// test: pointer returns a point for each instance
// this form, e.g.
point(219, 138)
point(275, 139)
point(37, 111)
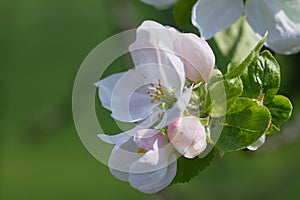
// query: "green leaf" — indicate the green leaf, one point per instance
point(262, 77)
point(221, 95)
point(234, 89)
point(236, 42)
point(189, 168)
point(244, 124)
point(236, 70)
point(281, 109)
point(182, 11)
point(215, 103)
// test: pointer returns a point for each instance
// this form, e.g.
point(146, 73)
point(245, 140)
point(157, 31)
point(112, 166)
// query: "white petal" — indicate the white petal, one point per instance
point(123, 143)
point(123, 156)
point(212, 16)
point(146, 47)
point(258, 143)
point(119, 174)
point(176, 111)
point(281, 19)
point(117, 139)
point(122, 95)
point(106, 87)
point(140, 104)
point(153, 160)
point(158, 177)
point(153, 182)
point(160, 4)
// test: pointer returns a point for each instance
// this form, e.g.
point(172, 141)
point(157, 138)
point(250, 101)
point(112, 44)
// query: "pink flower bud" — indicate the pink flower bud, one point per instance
point(187, 135)
point(197, 56)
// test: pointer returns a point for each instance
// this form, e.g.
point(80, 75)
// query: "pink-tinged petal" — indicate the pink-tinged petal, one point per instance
point(106, 87)
point(160, 4)
point(212, 16)
point(258, 143)
point(282, 21)
point(188, 136)
point(150, 139)
point(197, 56)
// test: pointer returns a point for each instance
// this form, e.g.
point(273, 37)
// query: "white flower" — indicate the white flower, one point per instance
point(155, 41)
point(160, 4)
point(161, 56)
point(188, 136)
point(280, 18)
point(146, 161)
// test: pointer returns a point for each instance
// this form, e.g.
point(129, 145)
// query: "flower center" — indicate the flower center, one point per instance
point(158, 93)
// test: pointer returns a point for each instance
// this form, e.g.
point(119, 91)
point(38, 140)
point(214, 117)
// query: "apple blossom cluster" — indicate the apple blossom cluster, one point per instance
point(183, 108)
point(156, 94)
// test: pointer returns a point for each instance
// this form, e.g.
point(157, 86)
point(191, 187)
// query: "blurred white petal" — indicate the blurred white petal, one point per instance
point(281, 19)
point(212, 16)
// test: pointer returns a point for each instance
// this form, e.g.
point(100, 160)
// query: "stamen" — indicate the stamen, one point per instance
point(158, 93)
point(141, 150)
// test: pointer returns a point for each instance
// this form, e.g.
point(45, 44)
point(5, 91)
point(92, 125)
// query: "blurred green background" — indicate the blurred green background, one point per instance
point(43, 43)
